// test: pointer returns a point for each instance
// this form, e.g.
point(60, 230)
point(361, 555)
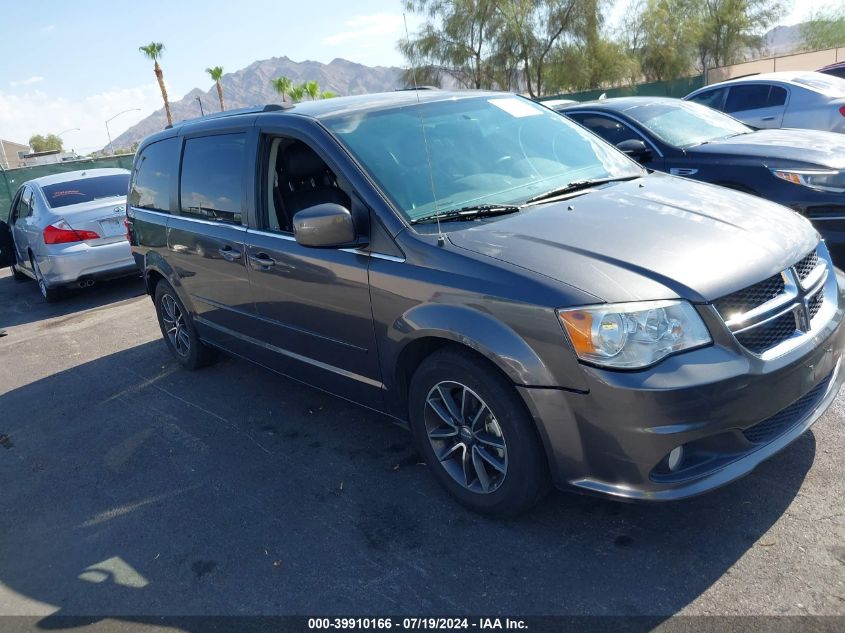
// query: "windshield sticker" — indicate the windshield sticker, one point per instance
point(515, 107)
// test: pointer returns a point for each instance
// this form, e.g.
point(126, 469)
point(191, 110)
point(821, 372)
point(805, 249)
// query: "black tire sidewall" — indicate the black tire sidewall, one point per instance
point(527, 473)
point(195, 357)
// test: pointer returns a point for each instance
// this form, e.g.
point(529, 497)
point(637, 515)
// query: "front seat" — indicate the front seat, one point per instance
point(308, 181)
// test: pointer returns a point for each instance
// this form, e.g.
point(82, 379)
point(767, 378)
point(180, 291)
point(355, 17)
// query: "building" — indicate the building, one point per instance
point(47, 157)
point(11, 154)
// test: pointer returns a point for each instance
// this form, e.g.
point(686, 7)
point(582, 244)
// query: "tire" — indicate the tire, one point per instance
point(494, 462)
point(49, 293)
point(17, 275)
point(178, 329)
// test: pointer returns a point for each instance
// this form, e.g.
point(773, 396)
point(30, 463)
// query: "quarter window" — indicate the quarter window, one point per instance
point(211, 185)
point(152, 176)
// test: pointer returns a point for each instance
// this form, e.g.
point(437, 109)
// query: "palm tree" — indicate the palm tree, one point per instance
point(282, 86)
point(297, 93)
point(327, 94)
point(153, 51)
point(216, 73)
point(312, 89)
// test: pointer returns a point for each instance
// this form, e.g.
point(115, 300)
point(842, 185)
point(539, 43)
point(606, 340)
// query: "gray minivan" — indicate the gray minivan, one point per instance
point(531, 302)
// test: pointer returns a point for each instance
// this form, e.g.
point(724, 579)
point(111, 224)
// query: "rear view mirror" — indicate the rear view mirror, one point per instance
point(327, 225)
point(636, 149)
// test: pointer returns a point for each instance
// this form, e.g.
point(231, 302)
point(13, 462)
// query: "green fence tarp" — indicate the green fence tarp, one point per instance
point(11, 179)
point(675, 88)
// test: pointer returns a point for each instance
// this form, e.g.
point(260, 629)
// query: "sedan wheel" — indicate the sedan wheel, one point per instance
point(49, 294)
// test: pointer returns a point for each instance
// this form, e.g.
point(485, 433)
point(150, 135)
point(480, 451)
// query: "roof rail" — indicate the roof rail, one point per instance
point(256, 109)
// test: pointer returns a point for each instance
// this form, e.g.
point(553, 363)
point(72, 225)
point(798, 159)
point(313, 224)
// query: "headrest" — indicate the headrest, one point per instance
point(301, 162)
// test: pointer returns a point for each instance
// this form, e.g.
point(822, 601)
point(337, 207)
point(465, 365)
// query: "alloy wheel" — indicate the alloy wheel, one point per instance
point(42, 285)
point(465, 436)
point(174, 325)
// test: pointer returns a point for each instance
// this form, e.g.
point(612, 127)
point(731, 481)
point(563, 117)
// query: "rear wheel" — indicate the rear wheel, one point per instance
point(178, 329)
point(476, 435)
point(17, 275)
point(49, 293)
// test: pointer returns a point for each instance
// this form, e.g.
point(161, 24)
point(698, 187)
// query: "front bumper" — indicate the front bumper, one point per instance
point(614, 440)
point(69, 264)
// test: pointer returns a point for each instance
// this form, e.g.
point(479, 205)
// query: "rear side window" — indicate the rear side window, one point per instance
point(710, 98)
point(152, 175)
point(754, 96)
point(64, 194)
point(211, 185)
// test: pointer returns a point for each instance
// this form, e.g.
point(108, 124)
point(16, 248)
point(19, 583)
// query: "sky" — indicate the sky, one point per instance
point(69, 65)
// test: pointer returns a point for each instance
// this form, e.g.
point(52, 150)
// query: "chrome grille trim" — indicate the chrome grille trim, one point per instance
point(809, 295)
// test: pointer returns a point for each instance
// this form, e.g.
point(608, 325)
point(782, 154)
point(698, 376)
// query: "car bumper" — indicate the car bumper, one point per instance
point(73, 263)
point(729, 413)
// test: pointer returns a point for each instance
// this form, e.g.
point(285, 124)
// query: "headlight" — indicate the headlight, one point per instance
point(821, 179)
point(633, 335)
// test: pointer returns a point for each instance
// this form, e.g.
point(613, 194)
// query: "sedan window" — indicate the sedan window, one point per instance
point(711, 98)
point(611, 130)
point(447, 155)
point(681, 123)
point(826, 84)
point(63, 194)
point(754, 97)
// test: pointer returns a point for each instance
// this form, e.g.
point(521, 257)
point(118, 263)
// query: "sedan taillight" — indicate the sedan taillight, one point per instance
point(842, 110)
point(62, 233)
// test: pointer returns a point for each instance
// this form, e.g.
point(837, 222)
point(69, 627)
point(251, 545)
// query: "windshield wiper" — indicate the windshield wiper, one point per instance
point(577, 185)
point(470, 212)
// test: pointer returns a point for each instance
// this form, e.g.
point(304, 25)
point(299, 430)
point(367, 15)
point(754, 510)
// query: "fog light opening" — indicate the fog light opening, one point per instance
point(676, 457)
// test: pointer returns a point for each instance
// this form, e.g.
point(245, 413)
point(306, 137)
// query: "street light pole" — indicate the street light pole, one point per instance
point(108, 133)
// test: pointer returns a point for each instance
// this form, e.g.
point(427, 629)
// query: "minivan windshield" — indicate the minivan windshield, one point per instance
point(441, 156)
point(63, 194)
point(682, 123)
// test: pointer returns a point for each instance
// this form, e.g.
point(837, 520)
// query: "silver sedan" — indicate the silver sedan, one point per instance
point(68, 230)
point(806, 100)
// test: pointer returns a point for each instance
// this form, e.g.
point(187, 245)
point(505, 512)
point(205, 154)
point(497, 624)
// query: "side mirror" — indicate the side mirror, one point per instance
point(327, 225)
point(636, 149)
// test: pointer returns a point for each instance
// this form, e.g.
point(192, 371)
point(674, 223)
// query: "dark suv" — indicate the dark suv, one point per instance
point(528, 299)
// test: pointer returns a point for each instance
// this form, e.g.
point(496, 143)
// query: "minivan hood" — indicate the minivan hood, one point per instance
point(802, 146)
point(657, 237)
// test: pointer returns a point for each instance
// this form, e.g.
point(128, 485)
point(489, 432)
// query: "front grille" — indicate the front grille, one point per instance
point(749, 298)
point(787, 418)
point(769, 334)
point(816, 303)
point(807, 265)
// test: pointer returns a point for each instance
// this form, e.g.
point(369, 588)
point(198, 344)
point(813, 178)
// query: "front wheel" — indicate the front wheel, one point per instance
point(475, 433)
point(178, 329)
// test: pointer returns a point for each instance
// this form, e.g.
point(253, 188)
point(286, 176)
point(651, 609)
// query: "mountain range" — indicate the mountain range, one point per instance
point(251, 86)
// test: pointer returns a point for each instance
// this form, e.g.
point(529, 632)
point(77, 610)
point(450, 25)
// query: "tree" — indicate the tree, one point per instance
point(327, 94)
point(153, 51)
point(725, 30)
point(282, 85)
point(667, 40)
point(297, 93)
point(458, 39)
point(312, 89)
point(48, 143)
point(825, 29)
point(216, 73)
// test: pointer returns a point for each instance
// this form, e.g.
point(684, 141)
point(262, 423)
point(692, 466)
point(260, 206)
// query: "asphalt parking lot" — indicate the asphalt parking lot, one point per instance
point(131, 488)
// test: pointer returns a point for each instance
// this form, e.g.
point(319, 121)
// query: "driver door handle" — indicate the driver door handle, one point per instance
point(262, 261)
point(768, 118)
point(229, 254)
